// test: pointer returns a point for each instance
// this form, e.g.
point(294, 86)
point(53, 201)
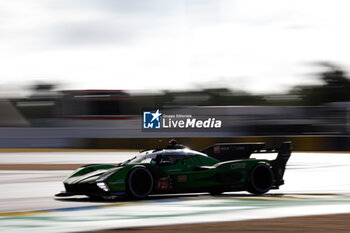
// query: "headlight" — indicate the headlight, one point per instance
point(103, 186)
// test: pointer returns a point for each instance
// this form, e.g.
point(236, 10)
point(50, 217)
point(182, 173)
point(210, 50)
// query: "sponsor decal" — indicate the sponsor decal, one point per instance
point(163, 183)
point(175, 170)
point(181, 178)
point(216, 149)
point(238, 166)
point(158, 120)
point(118, 182)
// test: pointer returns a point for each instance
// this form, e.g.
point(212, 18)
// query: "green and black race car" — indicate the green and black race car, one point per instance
point(176, 169)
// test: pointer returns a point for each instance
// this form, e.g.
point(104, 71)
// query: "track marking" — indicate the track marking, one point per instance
point(169, 211)
point(283, 198)
point(69, 209)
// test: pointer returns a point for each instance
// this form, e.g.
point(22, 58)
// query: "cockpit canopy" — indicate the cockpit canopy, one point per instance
point(167, 156)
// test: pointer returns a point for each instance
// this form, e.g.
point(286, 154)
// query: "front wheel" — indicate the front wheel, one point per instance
point(260, 179)
point(139, 182)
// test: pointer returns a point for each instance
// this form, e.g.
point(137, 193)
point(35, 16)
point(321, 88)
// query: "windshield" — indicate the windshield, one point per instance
point(144, 157)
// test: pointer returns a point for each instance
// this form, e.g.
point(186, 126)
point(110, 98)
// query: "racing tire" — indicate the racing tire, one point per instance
point(139, 182)
point(261, 179)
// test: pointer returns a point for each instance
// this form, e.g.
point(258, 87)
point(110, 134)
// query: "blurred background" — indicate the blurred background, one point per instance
point(78, 74)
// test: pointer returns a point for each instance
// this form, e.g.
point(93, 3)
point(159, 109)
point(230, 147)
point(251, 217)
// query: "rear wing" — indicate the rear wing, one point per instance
point(233, 151)
point(279, 164)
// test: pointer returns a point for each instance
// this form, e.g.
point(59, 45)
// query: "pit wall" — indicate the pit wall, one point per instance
point(300, 143)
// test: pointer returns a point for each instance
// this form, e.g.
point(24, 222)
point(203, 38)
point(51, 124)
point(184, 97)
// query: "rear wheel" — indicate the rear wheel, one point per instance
point(139, 182)
point(260, 179)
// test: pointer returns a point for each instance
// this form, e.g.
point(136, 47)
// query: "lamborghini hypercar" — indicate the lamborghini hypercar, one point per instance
point(222, 167)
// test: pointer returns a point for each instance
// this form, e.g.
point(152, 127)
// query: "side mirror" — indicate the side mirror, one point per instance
point(158, 159)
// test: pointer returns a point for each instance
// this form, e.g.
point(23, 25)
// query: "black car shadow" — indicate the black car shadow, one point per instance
point(164, 197)
point(126, 199)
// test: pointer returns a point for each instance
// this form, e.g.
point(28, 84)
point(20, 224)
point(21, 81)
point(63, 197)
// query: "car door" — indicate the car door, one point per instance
point(185, 173)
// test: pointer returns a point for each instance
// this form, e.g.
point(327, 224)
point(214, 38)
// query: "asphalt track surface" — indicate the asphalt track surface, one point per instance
point(316, 183)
